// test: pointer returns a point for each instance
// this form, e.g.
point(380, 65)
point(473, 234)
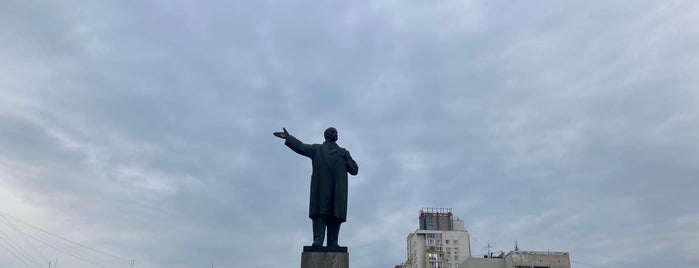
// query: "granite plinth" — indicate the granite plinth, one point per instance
point(324, 259)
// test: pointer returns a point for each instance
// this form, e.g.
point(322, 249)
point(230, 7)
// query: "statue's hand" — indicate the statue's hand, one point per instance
point(282, 135)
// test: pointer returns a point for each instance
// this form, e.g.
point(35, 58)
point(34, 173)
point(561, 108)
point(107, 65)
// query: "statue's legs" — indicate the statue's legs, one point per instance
point(319, 223)
point(333, 231)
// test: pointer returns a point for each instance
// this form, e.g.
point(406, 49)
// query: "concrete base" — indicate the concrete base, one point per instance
point(324, 260)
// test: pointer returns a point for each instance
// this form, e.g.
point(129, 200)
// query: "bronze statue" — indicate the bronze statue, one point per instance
point(331, 163)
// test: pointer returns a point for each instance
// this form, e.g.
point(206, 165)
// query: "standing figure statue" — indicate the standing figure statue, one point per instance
point(331, 163)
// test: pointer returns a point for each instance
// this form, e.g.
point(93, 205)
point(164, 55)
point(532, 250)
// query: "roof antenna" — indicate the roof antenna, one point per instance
point(516, 246)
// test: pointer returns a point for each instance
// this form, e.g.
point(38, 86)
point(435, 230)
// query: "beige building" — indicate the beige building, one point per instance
point(440, 241)
point(521, 259)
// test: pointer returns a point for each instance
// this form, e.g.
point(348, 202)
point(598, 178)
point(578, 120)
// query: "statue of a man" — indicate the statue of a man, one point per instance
point(331, 163)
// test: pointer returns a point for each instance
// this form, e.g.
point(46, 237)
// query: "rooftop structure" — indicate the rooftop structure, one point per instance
point(436, 219)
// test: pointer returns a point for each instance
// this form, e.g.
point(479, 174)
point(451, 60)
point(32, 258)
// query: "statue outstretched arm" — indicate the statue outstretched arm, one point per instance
point(294, 144)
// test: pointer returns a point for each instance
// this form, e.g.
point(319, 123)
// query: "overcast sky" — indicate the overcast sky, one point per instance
point(143, 129)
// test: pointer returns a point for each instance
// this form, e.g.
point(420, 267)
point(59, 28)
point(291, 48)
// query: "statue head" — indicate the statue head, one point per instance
point(330, 134)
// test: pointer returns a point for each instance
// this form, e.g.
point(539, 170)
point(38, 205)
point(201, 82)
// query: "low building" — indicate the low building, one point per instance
point(521, 259)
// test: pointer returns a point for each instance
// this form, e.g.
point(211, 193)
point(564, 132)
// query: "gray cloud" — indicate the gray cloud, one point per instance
point(143, 129)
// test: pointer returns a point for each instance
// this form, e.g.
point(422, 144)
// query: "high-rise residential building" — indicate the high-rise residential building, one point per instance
point(439, 242)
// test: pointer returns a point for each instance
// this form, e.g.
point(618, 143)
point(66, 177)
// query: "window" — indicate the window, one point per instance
point(433, 248)
point(456, 242)
point(448, 250)
point(446, 242)
point(435, 260)
point(434, 239)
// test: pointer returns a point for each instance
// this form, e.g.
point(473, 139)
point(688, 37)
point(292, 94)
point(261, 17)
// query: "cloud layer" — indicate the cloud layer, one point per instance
point(143, 130)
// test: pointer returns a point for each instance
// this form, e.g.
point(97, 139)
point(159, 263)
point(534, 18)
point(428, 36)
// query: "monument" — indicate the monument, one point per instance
point(328, 200)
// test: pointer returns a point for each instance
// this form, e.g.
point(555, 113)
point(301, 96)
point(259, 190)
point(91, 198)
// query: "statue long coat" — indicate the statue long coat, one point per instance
point(329, 178)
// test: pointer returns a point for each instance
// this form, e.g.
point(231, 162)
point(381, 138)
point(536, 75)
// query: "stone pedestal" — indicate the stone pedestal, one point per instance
point(324, 257)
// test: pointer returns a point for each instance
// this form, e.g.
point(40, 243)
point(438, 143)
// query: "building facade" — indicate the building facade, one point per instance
point(521, 259)
point(439, 242)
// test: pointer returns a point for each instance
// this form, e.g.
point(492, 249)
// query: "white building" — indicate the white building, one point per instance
point(440, 241)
